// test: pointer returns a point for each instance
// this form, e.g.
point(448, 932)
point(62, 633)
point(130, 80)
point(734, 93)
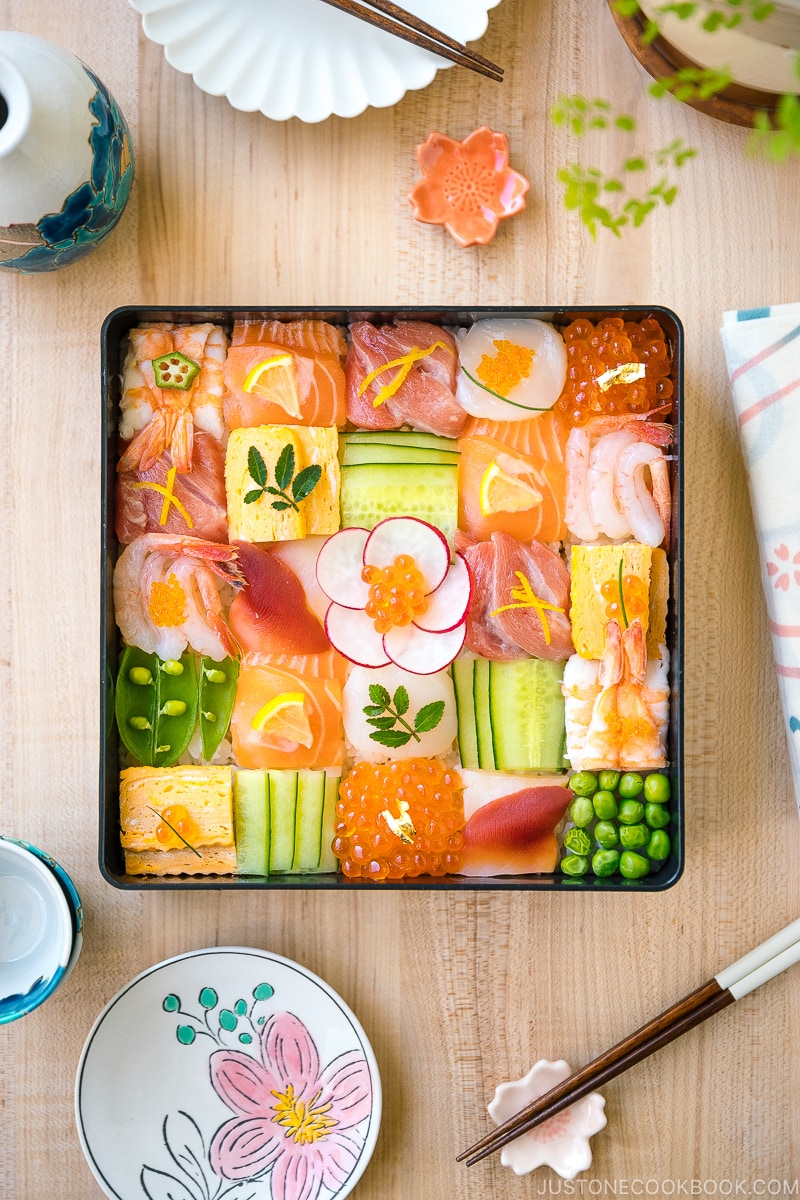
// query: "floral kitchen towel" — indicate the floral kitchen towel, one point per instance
point(762, 346)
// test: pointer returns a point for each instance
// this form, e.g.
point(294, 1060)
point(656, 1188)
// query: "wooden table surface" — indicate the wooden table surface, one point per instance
point(456, 992)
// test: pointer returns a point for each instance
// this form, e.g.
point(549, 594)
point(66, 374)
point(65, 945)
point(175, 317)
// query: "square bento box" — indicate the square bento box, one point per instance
point(662, 874)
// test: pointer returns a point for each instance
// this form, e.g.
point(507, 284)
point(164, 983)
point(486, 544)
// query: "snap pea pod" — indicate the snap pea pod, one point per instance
point(217, 694)
point(176, 715)
point(156, 706)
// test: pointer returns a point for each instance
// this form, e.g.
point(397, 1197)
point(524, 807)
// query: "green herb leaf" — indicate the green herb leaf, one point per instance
point(373, 710)
point(256, 466)
point(400, 701)
point(429, 716)
point(280, 505)
point(284, 467)
point(381, 722)
point(379, 695)
point(391, 738)
point(256, 494)
point(275, 492)
point(305, 481)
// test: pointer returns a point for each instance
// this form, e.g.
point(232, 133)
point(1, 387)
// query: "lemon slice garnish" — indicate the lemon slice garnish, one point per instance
point(501, 492)
point(275, 380)
point(284, 717)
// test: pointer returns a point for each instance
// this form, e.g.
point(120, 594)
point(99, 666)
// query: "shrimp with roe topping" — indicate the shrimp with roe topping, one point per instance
point(166, 595)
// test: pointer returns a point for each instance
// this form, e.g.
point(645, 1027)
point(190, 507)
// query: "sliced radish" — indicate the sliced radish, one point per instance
point(339, 566)
point(408, 535)
point(353, 634)
point(421, 652)
point(448, 605)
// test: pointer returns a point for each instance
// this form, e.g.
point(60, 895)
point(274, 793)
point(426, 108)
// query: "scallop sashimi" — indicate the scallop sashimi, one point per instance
point(510, 370)
point(285, 720)
point(403, 374)
point(501, 490)
point(160, 500)
point(285, 373)
point(270, 614)
point(515, 834)
point(390, 713)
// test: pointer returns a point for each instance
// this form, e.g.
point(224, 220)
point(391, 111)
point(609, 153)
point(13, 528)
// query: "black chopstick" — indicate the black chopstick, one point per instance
point(742, 977)
point(411, 29)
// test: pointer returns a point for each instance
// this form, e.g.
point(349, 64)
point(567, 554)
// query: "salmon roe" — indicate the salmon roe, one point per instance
point(179, 818)
point(396, 593)
point(399, 819)
point(593, 350)
point(634, 595)
point(167, 603)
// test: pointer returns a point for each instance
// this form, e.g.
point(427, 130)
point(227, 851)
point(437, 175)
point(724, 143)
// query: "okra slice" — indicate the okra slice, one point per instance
point(175, 370)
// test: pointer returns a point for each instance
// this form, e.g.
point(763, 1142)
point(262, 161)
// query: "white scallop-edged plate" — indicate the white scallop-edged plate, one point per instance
point(227, 1072)
point(302, 58)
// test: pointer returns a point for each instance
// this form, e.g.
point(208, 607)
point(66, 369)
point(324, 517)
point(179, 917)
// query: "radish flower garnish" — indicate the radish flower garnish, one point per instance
point(395, 596)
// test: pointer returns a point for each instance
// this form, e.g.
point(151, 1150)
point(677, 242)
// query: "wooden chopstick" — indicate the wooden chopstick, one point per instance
point(737, 980)
point(411, 29)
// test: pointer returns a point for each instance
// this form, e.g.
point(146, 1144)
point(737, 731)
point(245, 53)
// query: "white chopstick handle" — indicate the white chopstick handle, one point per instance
point(768, 970)
point(762, 954)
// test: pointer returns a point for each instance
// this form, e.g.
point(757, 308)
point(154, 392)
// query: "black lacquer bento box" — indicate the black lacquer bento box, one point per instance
point(111, 857)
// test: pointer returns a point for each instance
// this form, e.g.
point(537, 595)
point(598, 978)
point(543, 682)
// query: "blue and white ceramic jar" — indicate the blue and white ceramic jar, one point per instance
point(66, 160)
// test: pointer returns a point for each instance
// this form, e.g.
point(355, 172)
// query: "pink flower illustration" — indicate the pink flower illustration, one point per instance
point(292, 1117)
point(779, 571)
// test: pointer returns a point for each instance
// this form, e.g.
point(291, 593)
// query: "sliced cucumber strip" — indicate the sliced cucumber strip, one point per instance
point(251, 822)
point(327, 859)
point(355, 455)
point(483, 715)
point(527, 715)
point(372, 492)
point(283, 819)
point(308, 829)
point(462, 671)
point(400, 437)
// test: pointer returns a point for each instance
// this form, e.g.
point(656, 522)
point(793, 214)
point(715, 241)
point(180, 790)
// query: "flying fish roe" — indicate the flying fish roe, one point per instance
point(510, 366)
point(167, 603)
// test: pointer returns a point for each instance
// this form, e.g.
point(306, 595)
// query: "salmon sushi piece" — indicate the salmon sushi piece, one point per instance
point(304, 384)
point(285, 720)
point(160, 500)
point(543, 437)
point(529, 500)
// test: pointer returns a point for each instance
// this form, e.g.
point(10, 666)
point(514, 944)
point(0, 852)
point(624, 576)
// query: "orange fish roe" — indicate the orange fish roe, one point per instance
point(396, 593)
point(591, 351)
point(167, 603)
point(511, 364)
point(399, 819)
point(179, 818)
point(622, 730)
point(634, 596)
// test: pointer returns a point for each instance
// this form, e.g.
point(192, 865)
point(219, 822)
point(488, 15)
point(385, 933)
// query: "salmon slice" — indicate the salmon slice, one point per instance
point(200, 492)
point(259, 683)
point(515, 834)
point(328, 665)
point(543, 437)
point(544, 521)
point(317, 351)
point(425, 398)
point(270, 613)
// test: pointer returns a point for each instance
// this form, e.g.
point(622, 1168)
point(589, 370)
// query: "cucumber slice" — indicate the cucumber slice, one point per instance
point(372, 492)
point(400, 437)
point(327, 859)
point(251, 822)
point(527, 715)
point(382, 454)
point(483, 715)
point(282, 819)
point(308, 831)
point(462, 672)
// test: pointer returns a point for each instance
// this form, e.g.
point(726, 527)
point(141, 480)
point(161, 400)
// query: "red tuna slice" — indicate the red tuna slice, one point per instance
point(536, 630)
point(514, 835)
point(425, 399)
point(270, 615)
point(484, 636)
point(200, 491)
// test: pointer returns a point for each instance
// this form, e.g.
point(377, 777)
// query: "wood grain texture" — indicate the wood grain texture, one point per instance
point(460, 992)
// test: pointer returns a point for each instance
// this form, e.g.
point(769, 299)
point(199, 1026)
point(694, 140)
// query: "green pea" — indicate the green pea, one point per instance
point(582, 811)
point(606, 835)
point(139, 723)
point(209, 716)
point(656, 815)
point(658, 847)
point(608, 780)
point(605, 862)
point(140, 676)
point(657, 789)
point(584, 783)
point(575, 864)
point(605, 804)
point(631, 812)
point(630, 784)
point(632, 865)
point(215, 676)
point(173, 708)
point(633, 837)
point(578, 841)
point(172, 666)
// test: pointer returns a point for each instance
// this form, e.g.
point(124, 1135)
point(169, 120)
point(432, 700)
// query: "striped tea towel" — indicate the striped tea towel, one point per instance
point(762, 346)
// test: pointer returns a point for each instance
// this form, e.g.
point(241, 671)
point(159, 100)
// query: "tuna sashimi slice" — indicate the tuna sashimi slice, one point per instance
point(515, 834)
point(270, 614)
point(200, 493)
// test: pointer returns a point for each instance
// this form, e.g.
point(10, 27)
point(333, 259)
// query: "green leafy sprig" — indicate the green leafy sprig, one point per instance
point(300, 485)
point(178, 835)
point(386, 712)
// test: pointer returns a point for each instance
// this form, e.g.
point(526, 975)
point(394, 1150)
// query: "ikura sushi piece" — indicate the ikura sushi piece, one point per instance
point(160, 500)
point(283, 720)
point(391, 714)
point(615, 367)
point(511, 824)
point(285, 373)
point(270, 613)
point(166, 595)
point(398, 820)
point(501, 490)
point(403, 374)
point(510, 370)
point(520, 601)
point(171, 383)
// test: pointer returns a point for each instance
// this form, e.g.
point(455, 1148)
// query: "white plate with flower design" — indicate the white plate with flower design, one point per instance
point(227, 1074)
point(303, 59)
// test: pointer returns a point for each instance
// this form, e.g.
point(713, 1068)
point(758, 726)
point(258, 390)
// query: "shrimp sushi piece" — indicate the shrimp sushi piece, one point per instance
point(501, 490)
point(282, 719)
point(166, 595)
point(403, 374)
point(156, 418)
point(270, 614)
point(285, 373)
point(160, 500)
